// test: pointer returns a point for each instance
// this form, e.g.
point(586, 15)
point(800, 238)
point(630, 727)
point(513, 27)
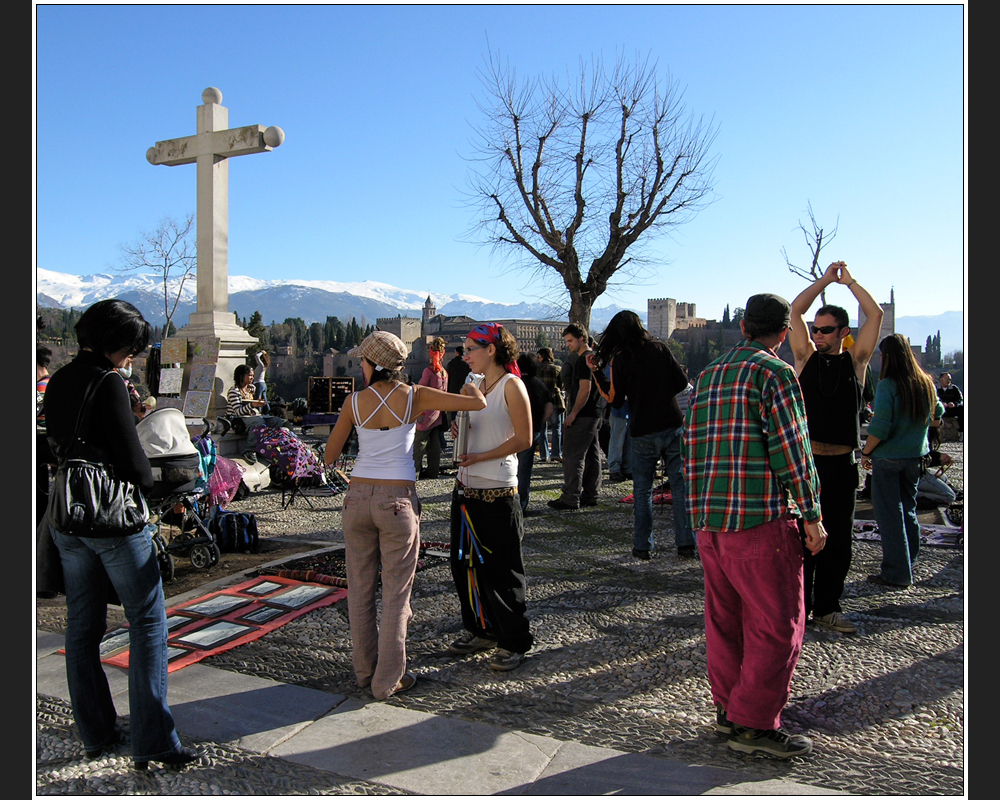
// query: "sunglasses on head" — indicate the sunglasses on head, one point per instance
point(825, 330)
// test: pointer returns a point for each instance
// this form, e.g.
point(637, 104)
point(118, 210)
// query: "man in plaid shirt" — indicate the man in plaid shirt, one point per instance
point(749, 474)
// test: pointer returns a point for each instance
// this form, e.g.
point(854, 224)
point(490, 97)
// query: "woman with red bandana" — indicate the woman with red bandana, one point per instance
point(486, 521)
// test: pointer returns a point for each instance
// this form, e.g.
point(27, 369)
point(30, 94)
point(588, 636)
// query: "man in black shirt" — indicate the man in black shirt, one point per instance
point(581, 452)
point(949, 394)
point(832, 377)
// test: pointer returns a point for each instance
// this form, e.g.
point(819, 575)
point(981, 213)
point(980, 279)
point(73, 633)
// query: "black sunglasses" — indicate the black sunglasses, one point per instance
point(825, 330)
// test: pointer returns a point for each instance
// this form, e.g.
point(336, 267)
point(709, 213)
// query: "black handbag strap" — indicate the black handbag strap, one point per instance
point(84, 414)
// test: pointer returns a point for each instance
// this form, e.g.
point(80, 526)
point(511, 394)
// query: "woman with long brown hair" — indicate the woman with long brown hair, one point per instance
point(906, 406)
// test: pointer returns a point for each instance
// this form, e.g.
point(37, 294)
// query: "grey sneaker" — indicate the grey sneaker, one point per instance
point(835, 621)
point(504, 660)
point(778, 743)
point(468, 642)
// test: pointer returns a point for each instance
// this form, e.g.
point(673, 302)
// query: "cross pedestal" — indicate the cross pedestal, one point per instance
point(211, 148)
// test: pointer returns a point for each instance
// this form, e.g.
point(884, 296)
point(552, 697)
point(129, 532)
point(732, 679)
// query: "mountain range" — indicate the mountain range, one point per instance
point(366, 301)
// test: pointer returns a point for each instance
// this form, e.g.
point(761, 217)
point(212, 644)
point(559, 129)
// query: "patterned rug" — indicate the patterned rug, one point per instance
point(227, 618)
point(866, 530)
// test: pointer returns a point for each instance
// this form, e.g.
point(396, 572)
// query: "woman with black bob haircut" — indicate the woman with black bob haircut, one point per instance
point(110, 333)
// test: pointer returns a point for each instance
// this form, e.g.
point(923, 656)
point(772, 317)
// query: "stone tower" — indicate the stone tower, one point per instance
point(661, 317)
point(429, 309)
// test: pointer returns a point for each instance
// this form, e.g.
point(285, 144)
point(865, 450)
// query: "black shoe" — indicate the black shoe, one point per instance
point(117, 738)
point(641, 554)
point(561, 506)
point(687, 551)
point(778, 743)
point(587, 503)
point(723, 726)
point(616, 477)
point(177, 760)
point(880, 581)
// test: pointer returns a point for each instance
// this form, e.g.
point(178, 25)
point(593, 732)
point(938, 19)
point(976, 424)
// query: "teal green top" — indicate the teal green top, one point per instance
point(900, 436)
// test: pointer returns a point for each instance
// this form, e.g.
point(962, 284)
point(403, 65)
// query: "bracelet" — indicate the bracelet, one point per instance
point(852, 283)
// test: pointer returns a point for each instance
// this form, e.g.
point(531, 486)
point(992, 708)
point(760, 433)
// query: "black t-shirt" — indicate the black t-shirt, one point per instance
point(538, 396)
point(581, 372)
point(458, 371)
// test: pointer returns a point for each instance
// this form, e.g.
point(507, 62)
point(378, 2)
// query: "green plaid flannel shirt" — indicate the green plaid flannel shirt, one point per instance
point(747, 458)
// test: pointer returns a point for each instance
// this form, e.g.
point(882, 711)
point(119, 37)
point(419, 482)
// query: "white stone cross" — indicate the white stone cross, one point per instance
point(211, 148)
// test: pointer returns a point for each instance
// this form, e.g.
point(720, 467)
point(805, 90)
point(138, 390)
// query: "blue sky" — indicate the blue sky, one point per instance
point(858, 109)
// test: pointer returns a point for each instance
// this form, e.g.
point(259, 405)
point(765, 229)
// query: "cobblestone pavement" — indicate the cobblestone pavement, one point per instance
point(620, 657)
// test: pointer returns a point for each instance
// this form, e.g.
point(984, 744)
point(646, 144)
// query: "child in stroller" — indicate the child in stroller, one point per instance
point(179, 494)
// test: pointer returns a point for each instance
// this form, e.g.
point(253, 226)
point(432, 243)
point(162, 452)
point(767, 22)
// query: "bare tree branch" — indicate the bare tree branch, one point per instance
point(816, 239)
point(169, 251)
point(585, 171)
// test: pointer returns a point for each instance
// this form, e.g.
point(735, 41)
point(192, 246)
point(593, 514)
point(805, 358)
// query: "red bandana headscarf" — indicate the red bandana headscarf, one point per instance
point(489, 333)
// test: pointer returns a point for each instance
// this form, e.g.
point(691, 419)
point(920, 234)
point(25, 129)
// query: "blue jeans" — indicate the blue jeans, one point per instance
point(130, 563)
point(525, 462)
point(619, 446)
point(260, 393)
point(647, 450)
point(553, 424)
point(894, 501)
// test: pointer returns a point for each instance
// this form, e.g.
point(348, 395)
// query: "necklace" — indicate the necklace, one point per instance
point(828, 361)
point(490, 388)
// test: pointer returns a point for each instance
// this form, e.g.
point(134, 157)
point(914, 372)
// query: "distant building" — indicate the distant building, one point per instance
point(664, 315)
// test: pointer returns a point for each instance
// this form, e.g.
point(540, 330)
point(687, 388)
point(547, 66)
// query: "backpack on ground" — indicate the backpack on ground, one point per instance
point(235, 532)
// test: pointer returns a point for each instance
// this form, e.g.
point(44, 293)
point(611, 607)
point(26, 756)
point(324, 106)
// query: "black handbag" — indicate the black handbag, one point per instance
point(86, 498)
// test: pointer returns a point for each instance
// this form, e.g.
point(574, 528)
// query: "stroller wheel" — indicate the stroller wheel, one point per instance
point(166, 563)
point(203, 556)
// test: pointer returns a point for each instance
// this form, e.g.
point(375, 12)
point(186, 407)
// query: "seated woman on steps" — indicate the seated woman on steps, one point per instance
point(381, 509)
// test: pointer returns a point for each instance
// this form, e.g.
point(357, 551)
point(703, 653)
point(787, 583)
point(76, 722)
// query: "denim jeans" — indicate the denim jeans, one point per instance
point(130, 563)
point(525, 462)
point(894, 501)
point(647, 450)
point(619, 446)
point(554, 424)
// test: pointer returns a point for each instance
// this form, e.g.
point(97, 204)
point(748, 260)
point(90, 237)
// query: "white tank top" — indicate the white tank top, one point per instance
point(488, 428)
point(385, 453)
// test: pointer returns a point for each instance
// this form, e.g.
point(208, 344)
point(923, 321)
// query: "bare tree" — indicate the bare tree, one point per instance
point(169, 251)
point(571, 175)
point(816, 240)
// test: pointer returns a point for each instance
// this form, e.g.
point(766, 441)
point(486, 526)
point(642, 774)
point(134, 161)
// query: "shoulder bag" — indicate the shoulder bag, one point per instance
point(86, 498)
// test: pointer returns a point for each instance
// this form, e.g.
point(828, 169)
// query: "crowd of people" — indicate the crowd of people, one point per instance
point(761, 457)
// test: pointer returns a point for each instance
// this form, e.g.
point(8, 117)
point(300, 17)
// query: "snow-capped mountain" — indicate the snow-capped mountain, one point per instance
point(276, 300)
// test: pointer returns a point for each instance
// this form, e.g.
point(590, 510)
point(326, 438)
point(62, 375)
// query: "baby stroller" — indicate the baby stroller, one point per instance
point(179, 493)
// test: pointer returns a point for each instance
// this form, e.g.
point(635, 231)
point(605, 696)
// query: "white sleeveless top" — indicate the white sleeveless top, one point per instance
point(385, 453)
point(488, 428)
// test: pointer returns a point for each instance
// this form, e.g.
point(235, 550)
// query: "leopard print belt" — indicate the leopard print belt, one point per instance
point(486, 495)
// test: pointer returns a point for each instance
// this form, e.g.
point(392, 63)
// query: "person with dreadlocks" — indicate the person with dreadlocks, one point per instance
point(486, 521)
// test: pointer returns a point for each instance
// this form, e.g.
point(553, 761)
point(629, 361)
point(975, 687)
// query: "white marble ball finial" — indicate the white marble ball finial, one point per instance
point(274, 136)
point(211, 95)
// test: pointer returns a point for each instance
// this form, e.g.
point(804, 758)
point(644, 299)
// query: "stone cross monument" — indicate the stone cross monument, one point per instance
point(211, 148)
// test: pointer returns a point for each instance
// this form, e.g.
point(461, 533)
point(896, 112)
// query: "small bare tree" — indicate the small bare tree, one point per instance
point(816, 240)
point(570, 176)
point(169, 251)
